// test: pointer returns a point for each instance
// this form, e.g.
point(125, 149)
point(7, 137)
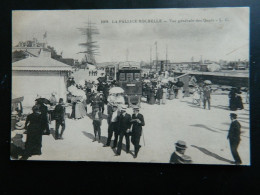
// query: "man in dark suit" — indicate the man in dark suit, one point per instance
point(124, 124)
point(59, 115)
point(234, 137)
point(178, 157)
point(112, 120)
point(206, 96)
point(159, 95)
point(138, 122)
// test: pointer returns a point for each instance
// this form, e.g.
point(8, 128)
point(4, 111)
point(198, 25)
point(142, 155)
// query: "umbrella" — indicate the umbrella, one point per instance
point(116, 90)
point(146, 81)
point(164, 80)
point(179, 84)
point(208, 82)
point(43, 101)
point(172, 79)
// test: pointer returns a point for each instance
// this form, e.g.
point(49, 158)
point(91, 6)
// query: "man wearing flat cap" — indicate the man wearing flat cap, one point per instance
point(112, 120)
point(178, 157)
point(124, 124)
point(138, 122)
point(234, 137)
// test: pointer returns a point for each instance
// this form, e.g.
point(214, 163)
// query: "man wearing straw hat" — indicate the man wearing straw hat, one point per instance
point(124, 124)
point(234, 137)
point(138, 122)
point(112, 120)
point(178, 157)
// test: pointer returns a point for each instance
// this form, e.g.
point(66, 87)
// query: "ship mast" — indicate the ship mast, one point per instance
point(90, 46)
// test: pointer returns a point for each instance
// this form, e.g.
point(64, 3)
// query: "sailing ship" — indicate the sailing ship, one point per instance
point(90, 46)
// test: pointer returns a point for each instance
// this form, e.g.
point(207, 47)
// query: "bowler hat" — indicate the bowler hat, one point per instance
point(233, 115)
point(181, 144)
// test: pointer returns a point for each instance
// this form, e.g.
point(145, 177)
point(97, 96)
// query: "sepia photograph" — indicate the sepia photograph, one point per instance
point(131, 85)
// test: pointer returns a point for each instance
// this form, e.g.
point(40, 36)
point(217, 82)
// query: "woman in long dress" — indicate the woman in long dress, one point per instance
point(152, 96)
point(34, 128)
point(171, 93)
point(164, 95)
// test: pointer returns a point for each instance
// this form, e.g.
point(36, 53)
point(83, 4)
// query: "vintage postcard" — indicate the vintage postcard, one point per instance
point(131, 85)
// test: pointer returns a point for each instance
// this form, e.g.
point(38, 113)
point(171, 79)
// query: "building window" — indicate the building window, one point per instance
point(137, 76)
point(129, 76)
point(122, 77)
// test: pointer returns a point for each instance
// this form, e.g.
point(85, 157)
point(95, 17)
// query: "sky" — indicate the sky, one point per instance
point(207, 33)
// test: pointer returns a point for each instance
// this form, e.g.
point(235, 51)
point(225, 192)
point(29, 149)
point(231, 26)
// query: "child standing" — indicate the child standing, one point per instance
point(97, 121)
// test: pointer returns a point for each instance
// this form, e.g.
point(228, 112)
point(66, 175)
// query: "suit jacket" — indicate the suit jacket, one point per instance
point(59, 112)
point(183, 159)
point(124, 122)
point(234, 131)
point(99, 115)
point(109, 117)
point(159, 93)
point(137, 127)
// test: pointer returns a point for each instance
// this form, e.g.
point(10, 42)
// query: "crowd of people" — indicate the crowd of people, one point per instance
point(120, 124)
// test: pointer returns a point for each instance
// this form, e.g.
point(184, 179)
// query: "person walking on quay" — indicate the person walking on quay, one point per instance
point(159, 95)
point(234, 137)
point(138, 122)
point(152, 96)
point(239, 102)
point(164, 96)
point(124, 124)
point(59, 115)
point(112, 120)
point(232, 99)
point(34, 128)
point(101, 102)
point(206, 96)
point(97, 122)
point(178, 157)
point(44, 114)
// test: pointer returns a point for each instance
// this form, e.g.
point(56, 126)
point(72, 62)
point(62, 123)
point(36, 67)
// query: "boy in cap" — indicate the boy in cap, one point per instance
point(97, 121)
point(124, 124)
point(234, 137)
point(138, 122)
point(178, 157)
point(59, 113)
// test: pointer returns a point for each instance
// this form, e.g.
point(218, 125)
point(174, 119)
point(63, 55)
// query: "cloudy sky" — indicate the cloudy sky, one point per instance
point(221, 33)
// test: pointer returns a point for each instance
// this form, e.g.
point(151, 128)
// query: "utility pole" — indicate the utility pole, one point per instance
point(166, 63)
point(156, 53)
point(150, 58)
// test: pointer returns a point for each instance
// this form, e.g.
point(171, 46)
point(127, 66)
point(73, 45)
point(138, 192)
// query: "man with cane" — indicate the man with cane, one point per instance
point(138, 122)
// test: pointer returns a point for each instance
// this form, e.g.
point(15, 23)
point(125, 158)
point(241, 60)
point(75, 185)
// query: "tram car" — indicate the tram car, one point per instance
point(129, 78)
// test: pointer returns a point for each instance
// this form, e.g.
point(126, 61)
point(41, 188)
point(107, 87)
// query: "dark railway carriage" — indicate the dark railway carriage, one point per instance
point(129, 78)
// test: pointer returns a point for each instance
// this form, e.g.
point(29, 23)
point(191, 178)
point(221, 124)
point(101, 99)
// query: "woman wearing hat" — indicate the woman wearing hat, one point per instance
point(34, 128)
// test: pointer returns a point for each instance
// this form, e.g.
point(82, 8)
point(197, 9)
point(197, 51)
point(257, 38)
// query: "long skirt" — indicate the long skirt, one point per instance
point(33, 143)
point(152, 100)
point(164, 98)
point(80, 110)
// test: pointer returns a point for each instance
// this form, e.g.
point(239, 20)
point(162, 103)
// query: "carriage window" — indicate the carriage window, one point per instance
point(137, 76)
point(129, 76)
point(122, 77)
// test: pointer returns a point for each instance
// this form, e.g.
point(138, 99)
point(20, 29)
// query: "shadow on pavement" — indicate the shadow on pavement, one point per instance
point(103, 139)
point(205, 127)
point(52, 131)
point(205, 151)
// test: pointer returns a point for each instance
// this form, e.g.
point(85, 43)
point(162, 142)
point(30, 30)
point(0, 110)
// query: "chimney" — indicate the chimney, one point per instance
point(45, 53)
